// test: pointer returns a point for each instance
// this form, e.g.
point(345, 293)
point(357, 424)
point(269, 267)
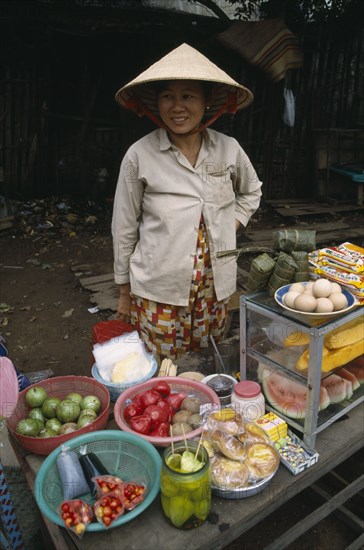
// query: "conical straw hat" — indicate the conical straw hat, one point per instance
point(185, 63)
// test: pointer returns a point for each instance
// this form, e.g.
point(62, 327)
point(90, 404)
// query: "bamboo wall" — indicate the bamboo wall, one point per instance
point(60, 127)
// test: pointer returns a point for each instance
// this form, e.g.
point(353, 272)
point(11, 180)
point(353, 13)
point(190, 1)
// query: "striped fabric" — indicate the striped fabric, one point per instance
point(268, 45)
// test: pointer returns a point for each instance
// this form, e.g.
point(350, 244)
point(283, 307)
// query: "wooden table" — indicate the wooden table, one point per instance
point(151, 530)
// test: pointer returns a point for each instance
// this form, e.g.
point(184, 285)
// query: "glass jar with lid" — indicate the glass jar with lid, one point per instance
point(249, 400)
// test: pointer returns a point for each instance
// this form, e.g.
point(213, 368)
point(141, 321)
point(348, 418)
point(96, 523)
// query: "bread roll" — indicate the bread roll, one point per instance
point(228, 420)
point(228, 474)
point(253, 433)
point(227, 445)
point(262, 460)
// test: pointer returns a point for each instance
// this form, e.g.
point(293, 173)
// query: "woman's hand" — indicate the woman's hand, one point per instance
point(124, 304)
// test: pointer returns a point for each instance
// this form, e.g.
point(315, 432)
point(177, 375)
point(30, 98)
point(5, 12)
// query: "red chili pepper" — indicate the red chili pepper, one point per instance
point(133, 409)
point(162, 387)
point(149, 397)
point(141, 424)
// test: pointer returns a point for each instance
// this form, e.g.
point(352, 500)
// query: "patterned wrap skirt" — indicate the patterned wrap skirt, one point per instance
point(170, 331)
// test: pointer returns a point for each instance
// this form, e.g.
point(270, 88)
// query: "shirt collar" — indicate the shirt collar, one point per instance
point(165, 142)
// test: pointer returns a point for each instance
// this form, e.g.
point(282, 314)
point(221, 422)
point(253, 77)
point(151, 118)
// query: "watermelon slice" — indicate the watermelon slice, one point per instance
point(336, 388)
point(347, 375)
point(356, 367)
point(286, 395)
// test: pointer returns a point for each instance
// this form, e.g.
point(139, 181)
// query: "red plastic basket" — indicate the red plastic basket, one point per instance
point(106, 330)
point(60, 386)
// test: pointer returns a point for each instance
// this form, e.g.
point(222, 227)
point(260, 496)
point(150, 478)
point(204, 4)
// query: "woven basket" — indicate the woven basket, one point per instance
point(124, 455)
point(117, 389)
point(191, 388)
point(60, 387)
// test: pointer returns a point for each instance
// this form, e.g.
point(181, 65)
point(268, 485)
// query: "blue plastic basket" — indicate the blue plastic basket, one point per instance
point(124, 455)
point(117, 389)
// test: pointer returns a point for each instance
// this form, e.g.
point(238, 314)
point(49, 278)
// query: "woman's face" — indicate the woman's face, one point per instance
point(182, 105)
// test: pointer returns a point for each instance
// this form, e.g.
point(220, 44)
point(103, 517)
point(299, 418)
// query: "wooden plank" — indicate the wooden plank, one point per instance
point(345, 515)
point(316, 516)
point(295, 208)
point(87, 281)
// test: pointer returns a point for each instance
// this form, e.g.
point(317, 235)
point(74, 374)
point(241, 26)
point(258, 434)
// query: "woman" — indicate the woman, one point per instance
point(182, 193)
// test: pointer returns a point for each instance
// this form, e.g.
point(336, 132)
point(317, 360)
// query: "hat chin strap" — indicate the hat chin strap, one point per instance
point(134, 103)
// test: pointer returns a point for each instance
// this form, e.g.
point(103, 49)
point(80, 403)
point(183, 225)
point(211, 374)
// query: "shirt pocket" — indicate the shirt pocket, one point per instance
point(219, 188)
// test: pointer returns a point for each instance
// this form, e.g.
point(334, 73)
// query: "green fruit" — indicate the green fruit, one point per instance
point(53, 424)
point(75, 397)
point(84, 421)
point(165, 505)
point(36, 414)
point(35, 396)
point(68, 428)
point(67, 411)
point(168, 487)
point(91, 402)
point(49, 407)
point(28, 426)
point(47, 433)
point(40, 424)
point(89, 413)
point(180, 510)
point(202, 509)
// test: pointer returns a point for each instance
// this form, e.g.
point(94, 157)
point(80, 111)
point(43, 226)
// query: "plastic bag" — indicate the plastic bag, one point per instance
point(76, 515)
point(289, 107)
point(70, 471)
point(108, 508)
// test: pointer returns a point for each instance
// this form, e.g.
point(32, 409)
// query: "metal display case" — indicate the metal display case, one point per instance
point(264, 328)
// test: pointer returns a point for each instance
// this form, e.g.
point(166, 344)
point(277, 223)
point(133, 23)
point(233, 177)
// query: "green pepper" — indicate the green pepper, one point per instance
point(181, 509)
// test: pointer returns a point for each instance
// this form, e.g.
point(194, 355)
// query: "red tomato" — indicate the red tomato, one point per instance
point(107, 511)
point(133, 495)
point(163, 430)
point(141, 424)
point(133, 409)
point(65, 507)
point(157, 414)
point(162, 387)
point(106, 520)
point(149, 397)
point(175, 399)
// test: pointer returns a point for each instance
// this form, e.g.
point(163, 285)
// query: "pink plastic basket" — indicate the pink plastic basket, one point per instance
point(191, 388)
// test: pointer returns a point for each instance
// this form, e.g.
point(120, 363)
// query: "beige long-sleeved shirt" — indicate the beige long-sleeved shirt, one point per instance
point(158, 204)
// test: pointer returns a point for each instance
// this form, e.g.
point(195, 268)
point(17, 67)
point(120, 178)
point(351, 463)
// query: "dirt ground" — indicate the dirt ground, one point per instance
point(45, 313)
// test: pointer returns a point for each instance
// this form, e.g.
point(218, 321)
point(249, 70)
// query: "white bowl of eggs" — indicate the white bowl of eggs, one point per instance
point(319, 298)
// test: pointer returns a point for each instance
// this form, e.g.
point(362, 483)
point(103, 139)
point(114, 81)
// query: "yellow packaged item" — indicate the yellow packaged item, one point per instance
point(345, 335)
point(331, 359)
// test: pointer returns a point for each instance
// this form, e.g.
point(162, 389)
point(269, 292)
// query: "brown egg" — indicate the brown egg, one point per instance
point(290, 297)
point(321, 288)
point(324, 305)
point(305, 302)
point(335, 287)
point(297, 287)
point(338, 300)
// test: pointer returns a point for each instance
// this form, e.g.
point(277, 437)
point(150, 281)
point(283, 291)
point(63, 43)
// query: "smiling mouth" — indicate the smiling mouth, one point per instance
point(179, 119)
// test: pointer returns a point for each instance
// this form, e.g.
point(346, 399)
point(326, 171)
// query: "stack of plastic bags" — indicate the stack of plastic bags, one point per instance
point(343, 264)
